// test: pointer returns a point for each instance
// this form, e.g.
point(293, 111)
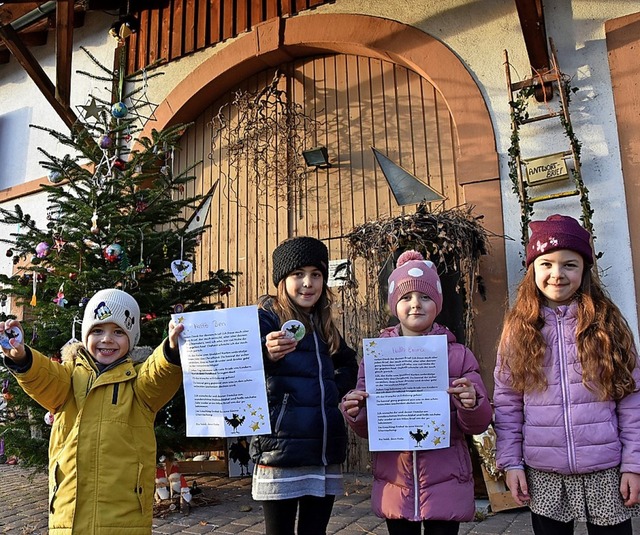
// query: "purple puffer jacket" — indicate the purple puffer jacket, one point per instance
point(565, 428)
point(430, 484)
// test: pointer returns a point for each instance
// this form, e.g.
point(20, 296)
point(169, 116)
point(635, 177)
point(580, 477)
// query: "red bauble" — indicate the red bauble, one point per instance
point(119, 164)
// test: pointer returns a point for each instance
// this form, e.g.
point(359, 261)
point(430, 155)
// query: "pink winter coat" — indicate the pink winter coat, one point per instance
point(565, 428)
point(430, 484)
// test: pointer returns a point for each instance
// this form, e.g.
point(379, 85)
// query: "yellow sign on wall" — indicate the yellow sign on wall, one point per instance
point(546, 169)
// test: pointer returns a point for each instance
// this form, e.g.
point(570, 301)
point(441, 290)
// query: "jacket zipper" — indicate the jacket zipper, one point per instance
point(416, 500)
point(566, 404)
point(322, 396)
point(282, 411)
point(114, 398)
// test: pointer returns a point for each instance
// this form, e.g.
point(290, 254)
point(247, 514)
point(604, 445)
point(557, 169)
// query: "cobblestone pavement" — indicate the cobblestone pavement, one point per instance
point(225, 506)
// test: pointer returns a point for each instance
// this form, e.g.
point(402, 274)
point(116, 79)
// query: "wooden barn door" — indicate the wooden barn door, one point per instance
point(354, 103)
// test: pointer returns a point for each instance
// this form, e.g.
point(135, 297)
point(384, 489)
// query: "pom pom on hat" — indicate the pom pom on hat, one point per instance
point(296, 253)
point(558, 232)
point(414, 274)
point(112, 306)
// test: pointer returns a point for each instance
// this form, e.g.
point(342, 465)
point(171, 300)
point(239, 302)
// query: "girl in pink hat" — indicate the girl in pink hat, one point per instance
point(428, 488)
point(567, 399)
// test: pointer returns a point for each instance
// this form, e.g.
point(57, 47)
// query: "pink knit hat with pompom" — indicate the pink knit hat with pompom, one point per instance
point(414, 274)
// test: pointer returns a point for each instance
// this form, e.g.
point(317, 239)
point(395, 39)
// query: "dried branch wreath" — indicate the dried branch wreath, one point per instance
point(453, 239)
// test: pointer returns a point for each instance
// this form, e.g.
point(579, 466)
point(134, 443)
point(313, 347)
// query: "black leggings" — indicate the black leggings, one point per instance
point(313, 518)
point(431, 527)
point(543, 525)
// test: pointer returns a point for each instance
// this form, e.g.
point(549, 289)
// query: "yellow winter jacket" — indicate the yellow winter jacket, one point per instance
point(102, 451)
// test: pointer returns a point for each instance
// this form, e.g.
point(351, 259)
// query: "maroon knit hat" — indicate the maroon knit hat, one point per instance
point(558, 232)
point(414, 274)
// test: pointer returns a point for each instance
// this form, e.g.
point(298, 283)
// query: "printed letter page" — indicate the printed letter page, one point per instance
point(407, 379)
point(224, 385)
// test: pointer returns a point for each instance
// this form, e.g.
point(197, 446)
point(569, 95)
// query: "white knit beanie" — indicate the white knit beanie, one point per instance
point(112, 306)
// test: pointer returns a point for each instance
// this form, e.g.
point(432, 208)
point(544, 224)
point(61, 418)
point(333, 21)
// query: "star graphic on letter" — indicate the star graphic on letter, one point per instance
point(255, 426)
point(436, 441)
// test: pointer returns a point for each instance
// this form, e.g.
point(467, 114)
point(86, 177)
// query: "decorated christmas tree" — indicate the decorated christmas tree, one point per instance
point(118, 216)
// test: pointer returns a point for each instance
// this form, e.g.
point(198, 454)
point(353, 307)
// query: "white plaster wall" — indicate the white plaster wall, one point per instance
point(22, 103)
point(477, 31)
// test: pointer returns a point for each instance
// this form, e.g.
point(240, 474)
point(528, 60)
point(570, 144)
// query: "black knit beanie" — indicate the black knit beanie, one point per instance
point(297, 253)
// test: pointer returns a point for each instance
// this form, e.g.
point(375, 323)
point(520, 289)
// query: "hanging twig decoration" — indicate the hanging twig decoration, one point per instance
point(263, 135)
point(453, 239)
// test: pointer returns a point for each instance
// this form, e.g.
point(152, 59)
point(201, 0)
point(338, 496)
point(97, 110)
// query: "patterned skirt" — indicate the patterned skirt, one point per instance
point(593, 498)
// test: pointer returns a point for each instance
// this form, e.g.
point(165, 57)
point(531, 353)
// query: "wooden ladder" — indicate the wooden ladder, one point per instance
point(520, 172)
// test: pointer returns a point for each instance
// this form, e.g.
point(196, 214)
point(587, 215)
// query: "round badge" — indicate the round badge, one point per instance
point(11, 333)
point(293, 329)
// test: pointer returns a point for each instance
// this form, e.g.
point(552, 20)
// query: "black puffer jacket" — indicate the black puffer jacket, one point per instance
point(304, 389)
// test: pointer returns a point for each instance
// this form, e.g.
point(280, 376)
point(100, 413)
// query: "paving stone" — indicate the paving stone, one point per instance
point(23, 496)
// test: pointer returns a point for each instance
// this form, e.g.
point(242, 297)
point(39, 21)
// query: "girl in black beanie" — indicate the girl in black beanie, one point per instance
point(308, 369)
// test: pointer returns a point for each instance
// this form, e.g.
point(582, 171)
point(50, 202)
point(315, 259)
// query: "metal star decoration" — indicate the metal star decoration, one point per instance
point(91, 110)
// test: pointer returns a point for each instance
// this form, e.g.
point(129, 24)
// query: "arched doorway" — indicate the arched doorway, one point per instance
point(380, 81)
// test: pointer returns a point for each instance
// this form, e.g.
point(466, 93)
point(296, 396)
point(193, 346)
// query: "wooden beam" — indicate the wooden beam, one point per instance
point(64, 49)
point(531, 16)
point(12, 41)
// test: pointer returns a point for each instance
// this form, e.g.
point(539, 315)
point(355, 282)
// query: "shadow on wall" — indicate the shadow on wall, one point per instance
point(14, 143)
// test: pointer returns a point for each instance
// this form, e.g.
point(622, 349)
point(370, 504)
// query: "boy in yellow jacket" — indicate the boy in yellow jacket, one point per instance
point(102, 448)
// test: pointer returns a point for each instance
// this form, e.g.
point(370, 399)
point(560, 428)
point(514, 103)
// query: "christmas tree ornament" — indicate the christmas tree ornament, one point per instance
point(91, 110)
point(119, 110)
point(73, 276)
point(3, 300)
point(15, 260)
point(54, 176)
point(83, 302)
point(58, 242)
point(165, 170)
point(180, 268)
point(60, 300)
point(105, 142)
point(141, 206)
point(113, 252)
point(34, 300)
point(9, 252)
point(42, 249)
point(140, 100)
point(41, 278)
point(178, 308)
point(119, 164)
point(94, 223)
